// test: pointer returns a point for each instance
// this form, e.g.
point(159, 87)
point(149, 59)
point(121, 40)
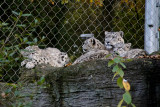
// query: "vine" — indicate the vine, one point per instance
point(118, 64)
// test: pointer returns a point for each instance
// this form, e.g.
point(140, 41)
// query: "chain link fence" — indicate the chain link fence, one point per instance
point(59, 24)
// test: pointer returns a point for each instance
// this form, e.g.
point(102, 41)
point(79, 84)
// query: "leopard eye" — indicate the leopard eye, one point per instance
point(119, 39)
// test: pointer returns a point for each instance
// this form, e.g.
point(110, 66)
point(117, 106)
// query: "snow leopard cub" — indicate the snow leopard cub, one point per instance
point(92, 44)
point(36, 56)
point(113, 38)
point(124, 51)
point(121, 49)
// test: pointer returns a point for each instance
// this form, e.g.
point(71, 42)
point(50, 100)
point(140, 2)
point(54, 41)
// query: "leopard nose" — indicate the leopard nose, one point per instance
point(108, 43)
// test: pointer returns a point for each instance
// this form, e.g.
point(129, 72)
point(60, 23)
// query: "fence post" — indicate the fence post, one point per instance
point(151, 38)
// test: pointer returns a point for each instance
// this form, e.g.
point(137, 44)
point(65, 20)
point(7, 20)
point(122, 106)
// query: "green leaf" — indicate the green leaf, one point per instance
point(16, 59)
point(119, 82)
point(122, 65)
point(115, 75)
point(11, 54)
point(41, 81)
point(8, 91)
point(29, 42)
point(108, 55)
point(21, 25)
point(25, 39)
point(4, 24)
point(36, 21)
point(20, 14)
point(14, 18)
point(35, 40)
point(116, 60)
point(133, 105)
point(16, 93)
point(43, 37)
point(128, 60)
point(127, 97)
point(16, 13)
point(120, 72)
point(13, 85)
point(110, 63)
point(120, 103)
point(64, 1)
point(115, 68)
point(26, 14)
point(4, 61)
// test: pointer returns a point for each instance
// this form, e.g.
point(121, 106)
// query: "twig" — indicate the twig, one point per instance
point(10, 33)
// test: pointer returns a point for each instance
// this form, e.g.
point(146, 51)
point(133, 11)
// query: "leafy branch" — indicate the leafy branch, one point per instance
point(18, 35)
point(96, 2)
point(118, 64)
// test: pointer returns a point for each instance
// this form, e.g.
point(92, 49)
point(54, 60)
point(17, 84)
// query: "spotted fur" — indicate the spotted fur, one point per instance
point(36, 56)
point(92, 44)
point(113, 38)
point(135, 53)
point(124, 50)
point(121, 49)
point(92, 55)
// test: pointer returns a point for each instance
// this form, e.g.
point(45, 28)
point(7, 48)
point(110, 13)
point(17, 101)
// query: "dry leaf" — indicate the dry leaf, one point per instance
point(4, 95)
point(126, 85)
point(68, 64)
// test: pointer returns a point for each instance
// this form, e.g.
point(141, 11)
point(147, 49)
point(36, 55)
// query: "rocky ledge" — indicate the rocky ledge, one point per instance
point(90, 84)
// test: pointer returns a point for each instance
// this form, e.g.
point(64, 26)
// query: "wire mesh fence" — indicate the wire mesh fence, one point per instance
point(59, 24)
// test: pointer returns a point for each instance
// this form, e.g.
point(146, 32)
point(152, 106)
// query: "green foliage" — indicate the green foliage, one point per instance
point(119, 82)
point(127, 97)
point(18, 35)
point(96, 2)
point(129, 18)
point(41, 81)
point(120, 103)
point(15, 96)
point(118, 63)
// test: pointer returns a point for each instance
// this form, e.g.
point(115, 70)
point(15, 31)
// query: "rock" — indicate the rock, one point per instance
point(90, 84)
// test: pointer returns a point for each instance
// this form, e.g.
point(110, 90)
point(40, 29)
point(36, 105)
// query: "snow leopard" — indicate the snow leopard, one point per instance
point(91, 55)
point(92, 44)
point(124, 50)
point(121, 49)
point(135, 53)
point(36, 56)
point(113, 38)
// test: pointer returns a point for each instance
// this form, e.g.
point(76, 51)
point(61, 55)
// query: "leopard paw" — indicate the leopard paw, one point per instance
point(23, 63)
point(30, 65)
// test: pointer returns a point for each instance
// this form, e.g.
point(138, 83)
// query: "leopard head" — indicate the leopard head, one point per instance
point(63, 58)
point(113, 38)
point(29, 51)
point(92, 44)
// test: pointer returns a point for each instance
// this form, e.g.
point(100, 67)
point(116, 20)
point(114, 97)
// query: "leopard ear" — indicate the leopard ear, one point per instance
point(93, 41)
point(106, 33)
point(121, 33)
point(129, 44)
